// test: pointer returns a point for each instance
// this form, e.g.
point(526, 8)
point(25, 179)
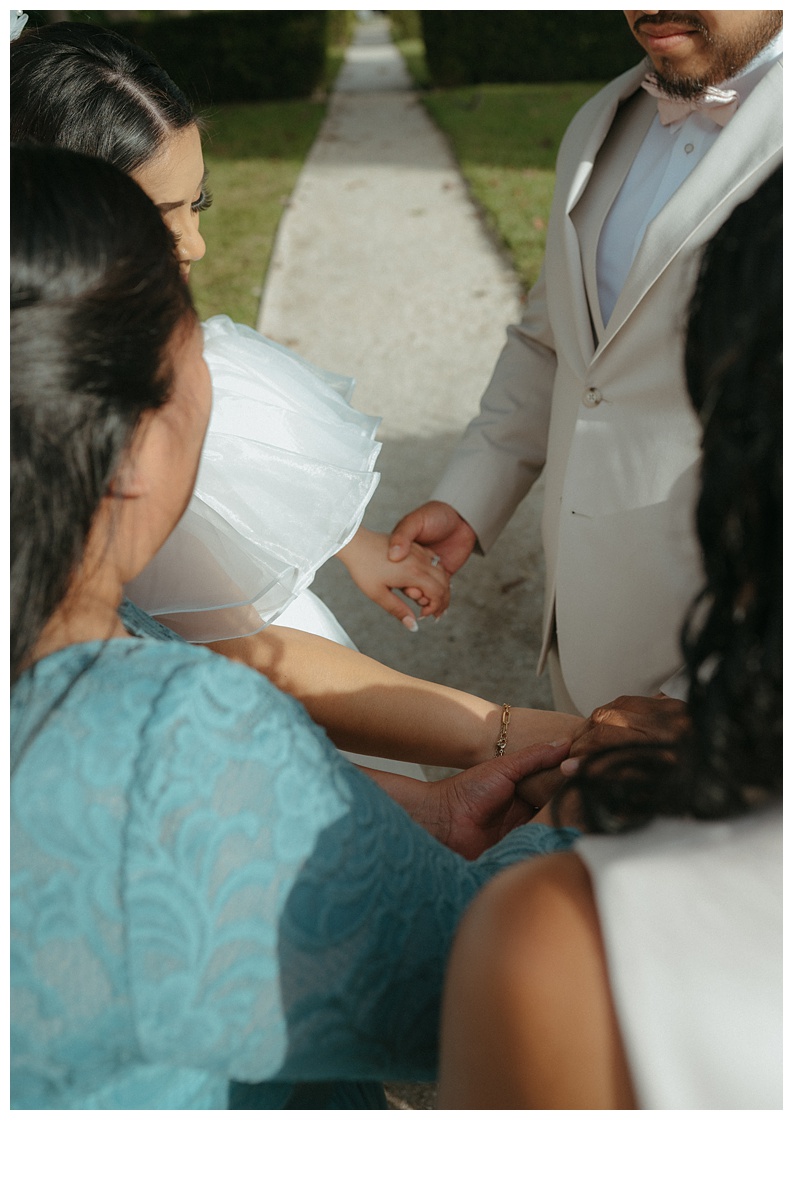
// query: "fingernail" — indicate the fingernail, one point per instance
point(411, 624)
point(570, 766)
point(563, 742)
point(393, 551)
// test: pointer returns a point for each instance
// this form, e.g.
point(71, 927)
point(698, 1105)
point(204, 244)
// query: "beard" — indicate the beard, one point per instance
point(727, 56)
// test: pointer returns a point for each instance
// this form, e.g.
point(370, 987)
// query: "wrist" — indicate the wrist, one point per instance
point(438, 811)
point(428, 805)
point(491, 730)
point(418, 798)
point(347, 553)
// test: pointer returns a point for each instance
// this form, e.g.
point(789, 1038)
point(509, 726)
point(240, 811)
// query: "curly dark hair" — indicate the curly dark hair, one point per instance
point(731, 759)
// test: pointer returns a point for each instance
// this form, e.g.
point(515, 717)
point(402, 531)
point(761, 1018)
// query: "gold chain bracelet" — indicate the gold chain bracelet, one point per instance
point(501, 744)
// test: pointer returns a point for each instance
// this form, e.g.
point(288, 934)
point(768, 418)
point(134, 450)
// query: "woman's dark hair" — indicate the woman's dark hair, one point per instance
point(90, 90)
point(96, 298)
point(732, 640)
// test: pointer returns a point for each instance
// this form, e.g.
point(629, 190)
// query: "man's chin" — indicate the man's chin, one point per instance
point(718, 60)
point(682, 87)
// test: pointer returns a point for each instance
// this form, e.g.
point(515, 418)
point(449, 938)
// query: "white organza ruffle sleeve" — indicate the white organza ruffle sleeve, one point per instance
point(285, 475)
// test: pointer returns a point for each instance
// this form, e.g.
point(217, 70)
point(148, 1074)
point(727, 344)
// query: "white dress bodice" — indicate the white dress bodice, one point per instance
point(691, 915)
point(286, 472)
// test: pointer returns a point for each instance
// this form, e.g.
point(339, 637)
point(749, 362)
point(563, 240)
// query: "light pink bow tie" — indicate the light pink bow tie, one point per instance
point(713, 102)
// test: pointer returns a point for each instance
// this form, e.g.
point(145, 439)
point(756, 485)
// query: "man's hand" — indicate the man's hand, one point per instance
point(366, 558)
point(438, 527)
point(479, 806)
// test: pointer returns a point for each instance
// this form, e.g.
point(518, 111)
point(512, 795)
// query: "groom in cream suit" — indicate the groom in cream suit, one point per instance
point(591, 385)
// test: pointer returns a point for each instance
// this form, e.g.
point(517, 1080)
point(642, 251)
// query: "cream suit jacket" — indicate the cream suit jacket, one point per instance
point(605, 411)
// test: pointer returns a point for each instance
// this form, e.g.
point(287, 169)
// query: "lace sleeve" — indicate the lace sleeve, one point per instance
point(285, 919)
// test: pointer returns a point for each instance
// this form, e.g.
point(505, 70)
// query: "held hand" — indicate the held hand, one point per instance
point(539, 789)
point(366, 558)
point(626, 719)
point(438, 527)
point(483, 804)
point(631, 719)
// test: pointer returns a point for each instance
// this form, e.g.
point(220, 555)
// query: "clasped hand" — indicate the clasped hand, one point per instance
point(422, 553)
point(417, 575)
point(652, 719)
point(472, 811)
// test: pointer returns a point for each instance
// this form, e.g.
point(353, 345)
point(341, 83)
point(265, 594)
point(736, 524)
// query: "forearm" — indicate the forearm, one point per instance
point(503, 450)
point(369, 708)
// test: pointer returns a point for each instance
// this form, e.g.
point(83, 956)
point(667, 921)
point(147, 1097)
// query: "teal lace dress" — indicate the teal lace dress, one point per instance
point(211, 907)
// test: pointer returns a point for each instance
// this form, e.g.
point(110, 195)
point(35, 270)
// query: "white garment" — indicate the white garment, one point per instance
point(286, 473)
point(691, 915)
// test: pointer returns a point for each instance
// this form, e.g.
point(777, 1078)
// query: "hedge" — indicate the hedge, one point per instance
point(405, 23)
point(468, 47)
point(219, 57)
point(341, 26)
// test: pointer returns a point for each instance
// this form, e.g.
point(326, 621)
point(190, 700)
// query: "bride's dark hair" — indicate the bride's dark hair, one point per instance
point(96, 298)
point(732, 640)
point(90, 90)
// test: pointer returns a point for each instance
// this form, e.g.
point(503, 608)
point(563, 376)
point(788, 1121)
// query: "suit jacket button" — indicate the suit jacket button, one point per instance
point(592, 397)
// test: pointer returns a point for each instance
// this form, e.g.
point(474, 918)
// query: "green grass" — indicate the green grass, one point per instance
point(505, 138)
point(412, 50)
point(334, 62)
point(254, 153)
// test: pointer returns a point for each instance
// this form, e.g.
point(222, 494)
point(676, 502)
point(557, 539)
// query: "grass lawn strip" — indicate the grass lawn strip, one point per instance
point(254, 153)
point(505, 138)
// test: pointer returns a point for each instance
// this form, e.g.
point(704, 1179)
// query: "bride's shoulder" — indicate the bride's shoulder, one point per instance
point(229, 345)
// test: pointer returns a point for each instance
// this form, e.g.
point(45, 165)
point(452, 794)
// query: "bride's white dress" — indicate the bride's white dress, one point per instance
point(286, 473)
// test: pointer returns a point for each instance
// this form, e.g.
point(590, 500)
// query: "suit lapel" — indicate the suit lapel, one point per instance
point(584, 156)
point(741, 151)
point(611, 97)
point(611, 167)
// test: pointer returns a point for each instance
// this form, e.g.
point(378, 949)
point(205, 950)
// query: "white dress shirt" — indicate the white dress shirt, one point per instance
point(666, 157)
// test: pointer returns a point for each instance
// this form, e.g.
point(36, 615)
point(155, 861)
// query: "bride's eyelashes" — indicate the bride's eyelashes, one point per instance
point(203, 202)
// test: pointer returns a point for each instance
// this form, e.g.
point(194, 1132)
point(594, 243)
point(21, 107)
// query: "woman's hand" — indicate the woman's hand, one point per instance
point(366, 558)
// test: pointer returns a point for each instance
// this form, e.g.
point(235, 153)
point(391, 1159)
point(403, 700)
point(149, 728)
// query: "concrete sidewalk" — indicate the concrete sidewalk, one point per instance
point(383, 270)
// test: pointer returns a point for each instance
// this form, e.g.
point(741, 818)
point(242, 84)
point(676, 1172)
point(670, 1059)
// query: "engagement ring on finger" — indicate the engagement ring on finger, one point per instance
point(436, 562)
